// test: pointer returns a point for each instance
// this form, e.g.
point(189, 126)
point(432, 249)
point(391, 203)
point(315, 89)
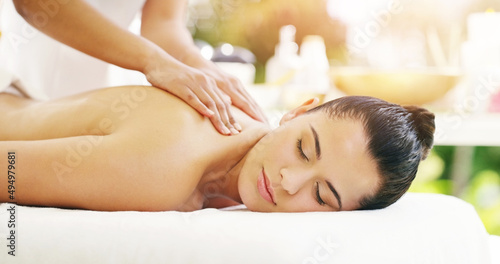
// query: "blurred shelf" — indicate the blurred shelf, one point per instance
point(452, 129)
point(455, 129)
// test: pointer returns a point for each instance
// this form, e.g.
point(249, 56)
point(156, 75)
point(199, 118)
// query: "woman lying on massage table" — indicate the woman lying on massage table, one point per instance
point(135, 148)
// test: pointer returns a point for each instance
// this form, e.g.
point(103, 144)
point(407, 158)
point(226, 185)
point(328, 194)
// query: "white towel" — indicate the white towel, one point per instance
point(11, 84)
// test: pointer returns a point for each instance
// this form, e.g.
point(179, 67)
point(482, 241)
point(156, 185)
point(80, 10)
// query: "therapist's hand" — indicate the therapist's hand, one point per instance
point(196, 88)
point(199, 82)
point(231, 86)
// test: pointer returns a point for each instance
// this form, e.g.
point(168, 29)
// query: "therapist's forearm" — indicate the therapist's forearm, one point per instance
point(174, 39)
point(78, 25)
point(163, 22)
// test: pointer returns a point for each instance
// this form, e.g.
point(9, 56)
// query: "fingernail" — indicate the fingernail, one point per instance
point(226, 130)
point(237, 126)
point(234, 131)
point(210, 113)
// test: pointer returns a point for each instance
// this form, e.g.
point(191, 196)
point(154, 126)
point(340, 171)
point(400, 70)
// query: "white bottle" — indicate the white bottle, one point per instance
point(315, 66)
point(282, 67)
point(312, 80)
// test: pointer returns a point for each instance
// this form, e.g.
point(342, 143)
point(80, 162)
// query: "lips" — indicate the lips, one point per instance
point(264, 187)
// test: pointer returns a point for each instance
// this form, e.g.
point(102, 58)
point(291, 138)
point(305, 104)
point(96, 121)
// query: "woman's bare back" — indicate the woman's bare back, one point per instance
point(121, 148)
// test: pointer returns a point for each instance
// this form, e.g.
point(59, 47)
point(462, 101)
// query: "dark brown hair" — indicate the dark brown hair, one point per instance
point(398, 139)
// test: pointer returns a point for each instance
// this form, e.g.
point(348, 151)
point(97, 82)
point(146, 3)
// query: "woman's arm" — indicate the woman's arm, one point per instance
point(57, 159)
point(90, 172)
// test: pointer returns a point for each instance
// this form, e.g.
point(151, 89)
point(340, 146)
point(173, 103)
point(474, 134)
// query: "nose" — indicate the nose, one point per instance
point(292, 180)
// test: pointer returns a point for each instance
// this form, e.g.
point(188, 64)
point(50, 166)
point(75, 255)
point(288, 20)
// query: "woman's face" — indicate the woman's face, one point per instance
point(309, 163)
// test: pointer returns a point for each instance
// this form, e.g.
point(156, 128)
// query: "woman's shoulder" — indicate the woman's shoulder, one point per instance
point(125, 100)
point(130, 95)
point(143, 102)
point(149, 110)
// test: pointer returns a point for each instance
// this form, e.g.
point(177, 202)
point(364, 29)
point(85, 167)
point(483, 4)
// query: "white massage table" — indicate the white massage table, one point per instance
point(420, 228)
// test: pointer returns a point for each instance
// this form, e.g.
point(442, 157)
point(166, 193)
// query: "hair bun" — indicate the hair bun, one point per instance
point(423, 123)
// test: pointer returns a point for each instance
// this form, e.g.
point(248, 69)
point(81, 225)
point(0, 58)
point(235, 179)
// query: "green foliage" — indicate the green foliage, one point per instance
point(483, 189)
point(255, 24)
point(483, 192)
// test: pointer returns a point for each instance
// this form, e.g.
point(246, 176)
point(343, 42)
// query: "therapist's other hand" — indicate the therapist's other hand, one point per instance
point(195, 88)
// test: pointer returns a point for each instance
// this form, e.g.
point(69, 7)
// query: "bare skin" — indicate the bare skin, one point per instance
point(165, 53)
point(115, 149)
point(140, 148)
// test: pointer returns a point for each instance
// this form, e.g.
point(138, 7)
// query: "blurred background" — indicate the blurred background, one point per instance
point(441, 54)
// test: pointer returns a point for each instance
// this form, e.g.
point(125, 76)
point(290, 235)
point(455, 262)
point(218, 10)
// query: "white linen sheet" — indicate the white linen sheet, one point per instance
point(495, 249)
point(420, 228)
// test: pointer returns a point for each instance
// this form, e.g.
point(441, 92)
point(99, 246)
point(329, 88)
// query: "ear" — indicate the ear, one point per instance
point(309, 104)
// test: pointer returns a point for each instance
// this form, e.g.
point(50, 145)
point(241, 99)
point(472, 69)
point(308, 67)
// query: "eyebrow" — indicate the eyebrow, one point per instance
point(316, 143)
point(339, 201)
point(318, 156)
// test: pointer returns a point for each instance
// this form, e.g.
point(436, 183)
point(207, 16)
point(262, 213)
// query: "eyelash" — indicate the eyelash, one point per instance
point(318, 198)
point(301, 153)
point(299, 149)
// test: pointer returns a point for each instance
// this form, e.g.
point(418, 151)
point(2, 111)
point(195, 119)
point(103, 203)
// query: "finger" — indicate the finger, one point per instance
point(233, 88)
point(192, 99)
point(230, 118)
point(180, 87)
point(249, 106)
point(226, 98)
point(210, 100)
point(242, 99)
point(223, 107)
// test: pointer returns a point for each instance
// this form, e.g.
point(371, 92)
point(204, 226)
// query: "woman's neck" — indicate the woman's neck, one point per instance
point(221, 179)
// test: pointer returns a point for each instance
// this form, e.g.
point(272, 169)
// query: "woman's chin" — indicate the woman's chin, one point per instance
point(257, 206)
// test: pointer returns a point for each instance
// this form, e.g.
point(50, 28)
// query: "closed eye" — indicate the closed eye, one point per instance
point(301, 152)
point(318, 197)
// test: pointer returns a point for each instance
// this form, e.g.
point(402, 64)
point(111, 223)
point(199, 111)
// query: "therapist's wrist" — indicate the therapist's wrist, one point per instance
point(149, 57)
point(196, 60)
